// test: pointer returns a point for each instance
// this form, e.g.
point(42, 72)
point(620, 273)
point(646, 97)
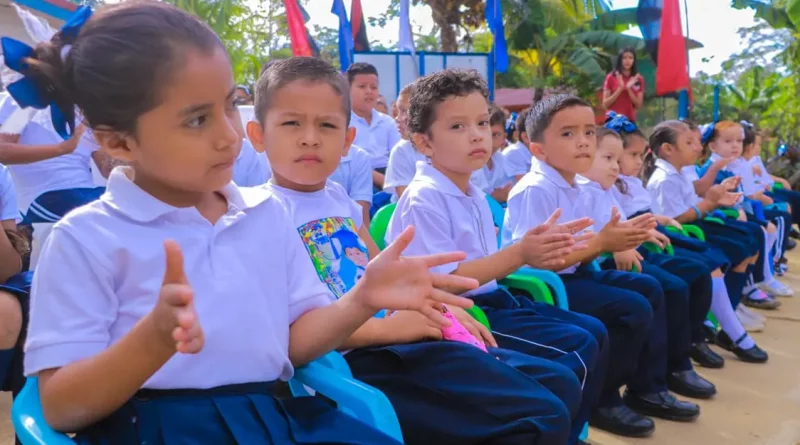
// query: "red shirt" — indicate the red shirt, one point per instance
point(623, 105)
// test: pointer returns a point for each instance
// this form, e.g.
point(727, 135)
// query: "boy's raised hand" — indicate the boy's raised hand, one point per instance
point(618, 237)
point(731, 183)
point(394, 282)
point(174, 313)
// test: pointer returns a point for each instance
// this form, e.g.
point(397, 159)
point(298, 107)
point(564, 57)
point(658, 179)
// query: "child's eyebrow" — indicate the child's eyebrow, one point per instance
point(193, 109)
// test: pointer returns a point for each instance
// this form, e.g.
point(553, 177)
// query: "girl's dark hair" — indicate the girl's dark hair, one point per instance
point(749, 135)
point(665, 133)
point(626, 137)
point(618, 63)
point(120, 61)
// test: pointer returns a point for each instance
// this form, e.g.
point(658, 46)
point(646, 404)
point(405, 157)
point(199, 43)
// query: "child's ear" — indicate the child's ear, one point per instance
point(255, 132)
point(537, 150)
point(350, 136)
point(115, 144)
point(422, 143)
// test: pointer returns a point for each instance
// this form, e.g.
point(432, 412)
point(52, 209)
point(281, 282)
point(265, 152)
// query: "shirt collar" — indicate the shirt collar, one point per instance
point(666, 166)
point(375, 118)
point(552, 175)
point(428, 174)
point(123, 195)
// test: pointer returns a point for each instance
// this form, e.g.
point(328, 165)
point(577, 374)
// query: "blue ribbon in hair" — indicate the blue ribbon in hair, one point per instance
point(619, 123)
point(28, 93)
point(706, 131)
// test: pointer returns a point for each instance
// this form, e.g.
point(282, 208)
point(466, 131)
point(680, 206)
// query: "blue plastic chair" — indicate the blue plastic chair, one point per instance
point(329, 375)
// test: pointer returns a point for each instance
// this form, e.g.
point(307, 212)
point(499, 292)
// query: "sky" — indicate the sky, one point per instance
point(720, 39)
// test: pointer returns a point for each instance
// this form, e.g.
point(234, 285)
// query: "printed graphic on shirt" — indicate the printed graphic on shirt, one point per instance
point(338, 254)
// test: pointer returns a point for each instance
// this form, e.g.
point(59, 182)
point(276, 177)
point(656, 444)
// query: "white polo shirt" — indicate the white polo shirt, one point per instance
point(599, 202)
point(251, 167)
point(671, 191)
point(377, 138)
point(354, 173)
point(402, 166)
point(764, 180)
point(102, 270)
point(535, 197)
point(327, 222)
point(517, 159)
point(446, 220)
point(60, 173)
point(635, 199)
point(495, 177)
point(690, 173)
point(8, 196)
point(741, 168)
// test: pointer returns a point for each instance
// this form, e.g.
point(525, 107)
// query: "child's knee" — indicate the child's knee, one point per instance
point(10, 320)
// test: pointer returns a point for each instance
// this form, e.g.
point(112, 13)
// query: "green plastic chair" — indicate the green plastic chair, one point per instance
point(377, 228)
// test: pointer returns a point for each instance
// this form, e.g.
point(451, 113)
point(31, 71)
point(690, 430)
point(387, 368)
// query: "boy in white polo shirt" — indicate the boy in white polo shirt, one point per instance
point(375, 131)
point(449, 122)
point(404, 157)
point(561, 130)
point(430, 383)
point(518, 156)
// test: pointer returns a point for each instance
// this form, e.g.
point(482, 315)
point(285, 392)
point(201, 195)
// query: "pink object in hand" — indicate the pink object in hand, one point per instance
point(457, 332)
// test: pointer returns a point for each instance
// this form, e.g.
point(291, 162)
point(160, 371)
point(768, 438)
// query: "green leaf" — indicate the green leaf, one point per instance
point(776, 16)
point(618, 20)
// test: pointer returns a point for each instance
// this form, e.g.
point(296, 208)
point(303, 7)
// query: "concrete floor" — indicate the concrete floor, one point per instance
point(756, 404)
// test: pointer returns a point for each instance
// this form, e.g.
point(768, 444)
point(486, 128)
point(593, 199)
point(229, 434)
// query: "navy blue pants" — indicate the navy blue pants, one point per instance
point(738, 240)
point(696, 274)
point(230, 415)
point(788, 196)
point(574, 340)
point(631, 306)
point(452, 393)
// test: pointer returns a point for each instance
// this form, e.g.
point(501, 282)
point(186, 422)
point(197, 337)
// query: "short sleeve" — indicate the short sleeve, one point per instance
point(393, 136)
point(610, 83)
point(361, 184)
point(73, 305)
point(431, 235)
point(669, 198)
point(306, 292)
point(8, 196)
point(525, 211)
point(517, 161)
point(400, 170)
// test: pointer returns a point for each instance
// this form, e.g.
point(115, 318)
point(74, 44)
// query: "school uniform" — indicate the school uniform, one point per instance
point(376, 137)
point(677, 276)
point(93, 286)
point(517, 159)
point(778, 194)
point(443, 392)
point(354, 173)
point(251, 167)
point(401, 167)
point(494, 177)
point(631, 306)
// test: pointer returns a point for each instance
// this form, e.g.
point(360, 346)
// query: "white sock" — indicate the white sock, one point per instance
point(770, 239)
point(722, 310)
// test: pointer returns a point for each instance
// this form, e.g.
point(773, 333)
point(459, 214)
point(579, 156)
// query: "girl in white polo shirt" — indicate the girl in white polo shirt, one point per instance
point(140, 340)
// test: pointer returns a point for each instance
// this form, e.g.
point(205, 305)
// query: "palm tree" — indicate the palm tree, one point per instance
point(755, 93)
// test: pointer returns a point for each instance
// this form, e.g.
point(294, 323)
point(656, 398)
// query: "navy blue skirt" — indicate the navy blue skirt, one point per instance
point(246, 414)
point(738, 240)
point(688, 247)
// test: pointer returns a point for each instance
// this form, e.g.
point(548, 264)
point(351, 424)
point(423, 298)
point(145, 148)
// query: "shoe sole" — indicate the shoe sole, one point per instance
point(692, 395)
point(674, 418)
point(623, 433)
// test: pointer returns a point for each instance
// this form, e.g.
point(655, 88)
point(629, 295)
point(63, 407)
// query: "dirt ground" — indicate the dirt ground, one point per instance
point(756, 404)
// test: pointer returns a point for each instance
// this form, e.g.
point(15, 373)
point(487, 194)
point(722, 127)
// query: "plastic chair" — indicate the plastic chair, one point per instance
point(329, 375)
point(377, 228)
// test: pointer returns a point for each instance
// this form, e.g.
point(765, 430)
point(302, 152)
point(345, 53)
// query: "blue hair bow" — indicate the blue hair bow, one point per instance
point(28, 93)
point(782, 149)
point(619, 123)
point(706, 131)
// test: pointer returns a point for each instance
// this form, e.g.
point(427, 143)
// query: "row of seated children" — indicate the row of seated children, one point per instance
point(134, 341)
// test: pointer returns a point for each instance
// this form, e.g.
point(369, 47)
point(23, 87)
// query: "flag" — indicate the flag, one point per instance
point(406, 41)
point(360, 40)
point(297, 29)
point(494, 18)
point(345, 35)
point(648, 15)
point(672, 70)
point(311, 42)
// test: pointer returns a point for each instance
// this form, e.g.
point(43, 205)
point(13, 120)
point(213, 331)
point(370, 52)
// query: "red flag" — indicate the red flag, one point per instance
point(360, 40)
point(672, 72)
point(297, 29)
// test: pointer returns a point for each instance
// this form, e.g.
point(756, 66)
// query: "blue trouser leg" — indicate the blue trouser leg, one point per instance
point(577, 341)
point(790, 196)
point(453, 393)
point(626, 315)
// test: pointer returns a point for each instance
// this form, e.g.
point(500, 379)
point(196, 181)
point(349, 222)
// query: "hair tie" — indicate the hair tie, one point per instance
point(28, 93)
point(620, 123)
point(706, 131)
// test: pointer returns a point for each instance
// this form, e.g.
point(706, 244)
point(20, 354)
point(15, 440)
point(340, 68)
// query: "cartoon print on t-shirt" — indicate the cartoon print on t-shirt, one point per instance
point(339, 255)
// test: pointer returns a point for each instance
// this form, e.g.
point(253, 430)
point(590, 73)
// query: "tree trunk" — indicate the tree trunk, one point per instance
point(448, 39)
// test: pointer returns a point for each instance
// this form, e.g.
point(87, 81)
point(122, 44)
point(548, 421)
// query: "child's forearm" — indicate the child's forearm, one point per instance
point(85, 392)
point(705, 206)
point(378, 178)
point(492, 267)
point(593, 250)
point(325, 329)
point(369, 334)
point(13, 153)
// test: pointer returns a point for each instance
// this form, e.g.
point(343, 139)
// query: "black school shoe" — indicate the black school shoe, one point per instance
point(752, 355)
point(789, 244)
point(622, 421)
point(690, 384)
point(663, 405)
point(705, 357)
point(794, 233)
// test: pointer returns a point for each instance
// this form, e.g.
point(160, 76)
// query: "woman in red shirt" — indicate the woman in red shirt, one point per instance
point(623, 90)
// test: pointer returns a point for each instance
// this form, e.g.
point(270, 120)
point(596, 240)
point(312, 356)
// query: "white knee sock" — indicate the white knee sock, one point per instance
point(770, 239)
point(721, 308)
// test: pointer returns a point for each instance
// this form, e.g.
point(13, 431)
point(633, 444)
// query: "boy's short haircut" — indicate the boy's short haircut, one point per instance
point(308, 69)
point(430, 91)
point(520, 123)
point(266, 66)
point(541, 114)
point(360, 68)
point(406, 90)
point(497, 116)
